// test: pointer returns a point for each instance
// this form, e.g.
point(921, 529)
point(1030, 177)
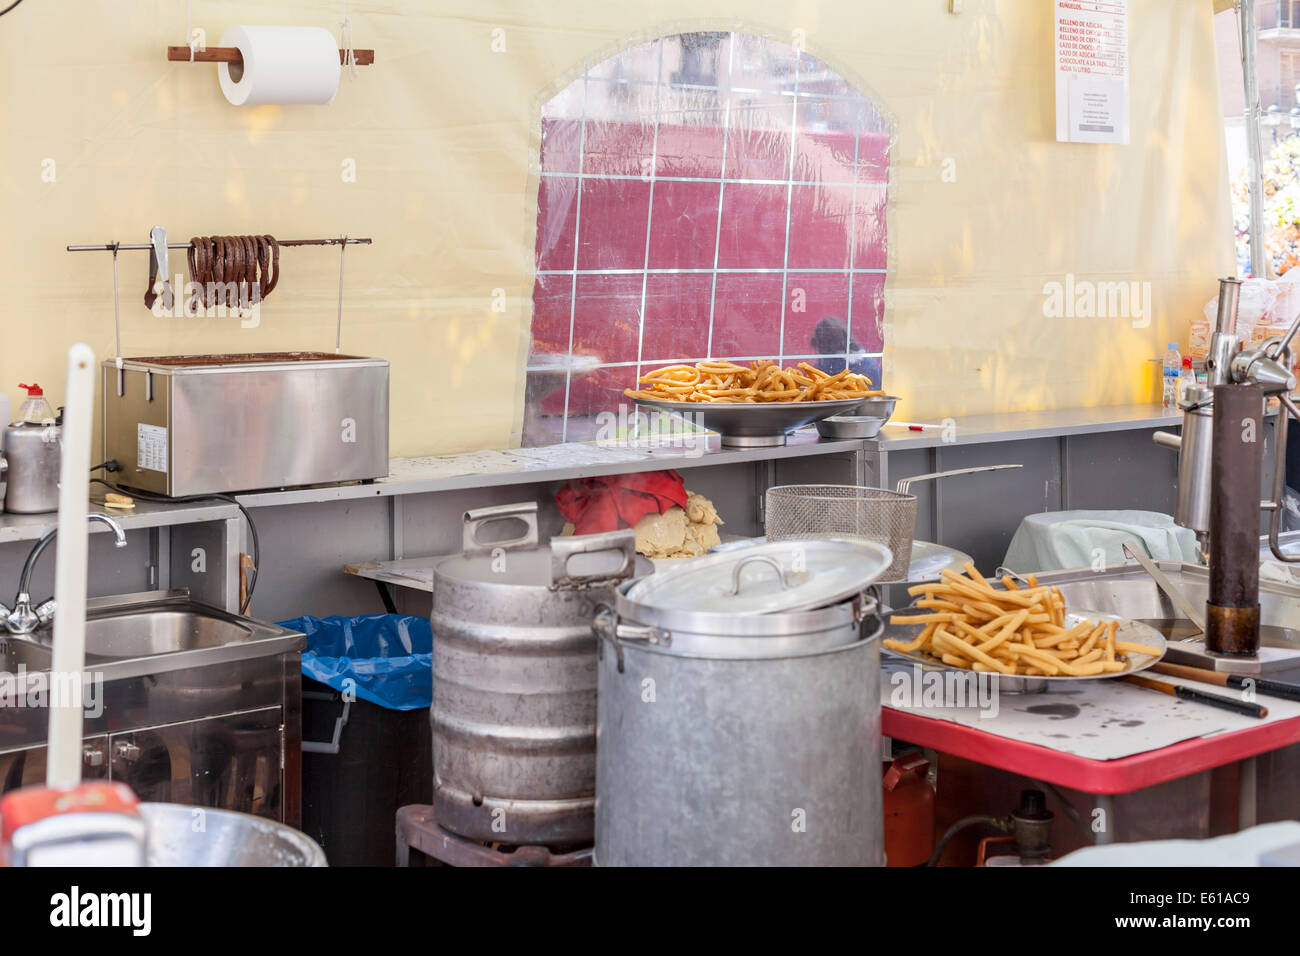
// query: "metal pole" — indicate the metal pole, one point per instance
point(1232, 611)
point(1224, 344)
point(1249, 30)
point(338, 328)
point(140, 246)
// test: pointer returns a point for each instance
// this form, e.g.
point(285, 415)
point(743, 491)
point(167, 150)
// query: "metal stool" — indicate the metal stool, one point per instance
point(418, 828)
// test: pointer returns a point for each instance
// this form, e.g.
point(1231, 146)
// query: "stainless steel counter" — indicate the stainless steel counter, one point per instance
point(484, 469)
point(1019, 426)
point(1073, 458)
point(479, 469)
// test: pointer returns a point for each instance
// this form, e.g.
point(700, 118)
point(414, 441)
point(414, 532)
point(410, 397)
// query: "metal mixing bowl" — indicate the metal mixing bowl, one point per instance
point(850, 426)
point(200, 836)
point(881, 407)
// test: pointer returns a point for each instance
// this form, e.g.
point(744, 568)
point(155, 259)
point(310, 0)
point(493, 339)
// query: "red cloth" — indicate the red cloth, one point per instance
point(618, 501)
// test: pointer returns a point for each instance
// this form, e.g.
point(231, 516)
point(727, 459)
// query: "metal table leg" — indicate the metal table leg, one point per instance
point(386, 595)
point(403, 842)
point(1246, 793)
point(1106, 804)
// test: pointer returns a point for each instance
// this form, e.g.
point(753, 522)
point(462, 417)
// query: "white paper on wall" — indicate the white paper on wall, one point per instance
point(1092, 68)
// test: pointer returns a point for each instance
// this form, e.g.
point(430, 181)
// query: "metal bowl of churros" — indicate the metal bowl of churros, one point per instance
point(751, 405)
point(1024, 638)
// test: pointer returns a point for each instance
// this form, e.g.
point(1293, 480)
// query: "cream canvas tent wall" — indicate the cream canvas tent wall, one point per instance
point(433, 152)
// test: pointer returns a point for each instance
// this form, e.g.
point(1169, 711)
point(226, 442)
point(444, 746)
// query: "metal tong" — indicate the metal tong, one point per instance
point(1179, 599)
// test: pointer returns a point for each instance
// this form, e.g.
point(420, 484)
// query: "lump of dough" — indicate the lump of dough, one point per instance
point(678, 532)
point(659, 536)
point(700, 510)
point(701, 537)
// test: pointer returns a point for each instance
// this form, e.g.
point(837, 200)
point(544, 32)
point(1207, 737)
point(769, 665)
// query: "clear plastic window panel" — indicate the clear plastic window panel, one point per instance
point(704, 195)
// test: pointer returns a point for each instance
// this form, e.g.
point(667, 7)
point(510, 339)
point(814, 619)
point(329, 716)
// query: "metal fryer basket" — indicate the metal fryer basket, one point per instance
point(853, 511)
point(846, 511)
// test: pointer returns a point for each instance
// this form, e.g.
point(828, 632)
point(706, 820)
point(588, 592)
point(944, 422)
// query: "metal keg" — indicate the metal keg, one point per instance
point(739, 711)
point(514, 679)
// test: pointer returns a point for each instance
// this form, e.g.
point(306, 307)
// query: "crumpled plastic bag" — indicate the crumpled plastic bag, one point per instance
point(386, 659)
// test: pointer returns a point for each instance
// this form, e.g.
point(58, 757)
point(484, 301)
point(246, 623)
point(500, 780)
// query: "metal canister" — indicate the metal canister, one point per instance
point(514, 679)
point(34, 453)
point(1194, 460)
point(742, 739)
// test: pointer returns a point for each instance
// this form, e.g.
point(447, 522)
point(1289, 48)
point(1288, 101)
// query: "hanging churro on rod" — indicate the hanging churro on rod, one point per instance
point(234, 271)
point(718, 380)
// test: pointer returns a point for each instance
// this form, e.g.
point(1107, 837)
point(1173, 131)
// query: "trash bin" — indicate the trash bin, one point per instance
point(367, 688)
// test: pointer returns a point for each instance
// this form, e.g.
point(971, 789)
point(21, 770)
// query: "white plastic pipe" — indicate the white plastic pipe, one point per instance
point(1249, 27)
point(68, 660)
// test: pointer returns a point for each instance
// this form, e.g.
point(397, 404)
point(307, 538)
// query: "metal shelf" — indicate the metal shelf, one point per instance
point(537, 465)
point(15, 527)
point(526, 466)
point(1017, 426)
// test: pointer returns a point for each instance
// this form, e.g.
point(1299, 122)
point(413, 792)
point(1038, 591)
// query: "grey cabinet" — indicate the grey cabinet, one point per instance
point(234, 762)
point(26, 768)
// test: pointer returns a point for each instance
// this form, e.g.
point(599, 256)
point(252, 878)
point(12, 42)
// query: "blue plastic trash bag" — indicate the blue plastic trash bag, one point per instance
point(386, 659)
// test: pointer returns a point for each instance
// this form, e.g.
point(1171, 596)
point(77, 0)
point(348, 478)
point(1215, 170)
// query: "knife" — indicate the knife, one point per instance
point(1198, 696)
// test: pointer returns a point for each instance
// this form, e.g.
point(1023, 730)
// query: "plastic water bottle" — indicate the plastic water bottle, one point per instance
point(1173, 370)
point(1187, 378)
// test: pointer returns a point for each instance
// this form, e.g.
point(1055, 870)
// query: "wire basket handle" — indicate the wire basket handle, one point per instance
point(903, 486)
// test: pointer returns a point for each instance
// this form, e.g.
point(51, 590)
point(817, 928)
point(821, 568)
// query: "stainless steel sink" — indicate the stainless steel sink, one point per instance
point(1127, 590)
point(182, 702)
point(135, 634)
point(16, 652)
point(148, 633)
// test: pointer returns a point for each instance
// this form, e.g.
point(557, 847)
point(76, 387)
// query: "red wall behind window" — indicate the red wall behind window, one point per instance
point(818, 226)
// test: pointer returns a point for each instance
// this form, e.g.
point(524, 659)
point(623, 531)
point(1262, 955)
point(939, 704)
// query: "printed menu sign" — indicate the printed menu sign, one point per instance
point(1092, 71)
point(151, 447)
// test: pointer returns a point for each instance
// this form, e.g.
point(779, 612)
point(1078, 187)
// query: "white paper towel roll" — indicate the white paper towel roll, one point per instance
point(287, 65)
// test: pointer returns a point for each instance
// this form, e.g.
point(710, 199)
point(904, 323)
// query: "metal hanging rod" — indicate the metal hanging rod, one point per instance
point(141, 246)
point(231, 54)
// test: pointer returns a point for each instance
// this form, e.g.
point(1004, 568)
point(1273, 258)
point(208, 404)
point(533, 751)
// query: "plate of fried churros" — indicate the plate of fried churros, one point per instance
point(1023, 635)
point(757, 403)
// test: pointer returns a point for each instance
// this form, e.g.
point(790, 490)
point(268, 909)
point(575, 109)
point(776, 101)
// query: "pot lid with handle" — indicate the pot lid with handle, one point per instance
point(767, 577)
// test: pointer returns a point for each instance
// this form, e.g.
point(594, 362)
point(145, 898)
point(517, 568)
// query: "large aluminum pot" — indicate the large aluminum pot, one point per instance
point(514, 679)
point(739, 739)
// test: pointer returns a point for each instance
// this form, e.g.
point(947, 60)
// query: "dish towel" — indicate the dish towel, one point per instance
point(611, 502)
point(1058, 540)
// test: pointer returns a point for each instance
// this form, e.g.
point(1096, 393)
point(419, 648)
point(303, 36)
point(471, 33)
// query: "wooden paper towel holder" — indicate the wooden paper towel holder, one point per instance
point(231, 54)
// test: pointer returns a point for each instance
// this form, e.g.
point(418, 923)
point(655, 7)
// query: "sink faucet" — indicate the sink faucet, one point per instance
point(24, 619)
